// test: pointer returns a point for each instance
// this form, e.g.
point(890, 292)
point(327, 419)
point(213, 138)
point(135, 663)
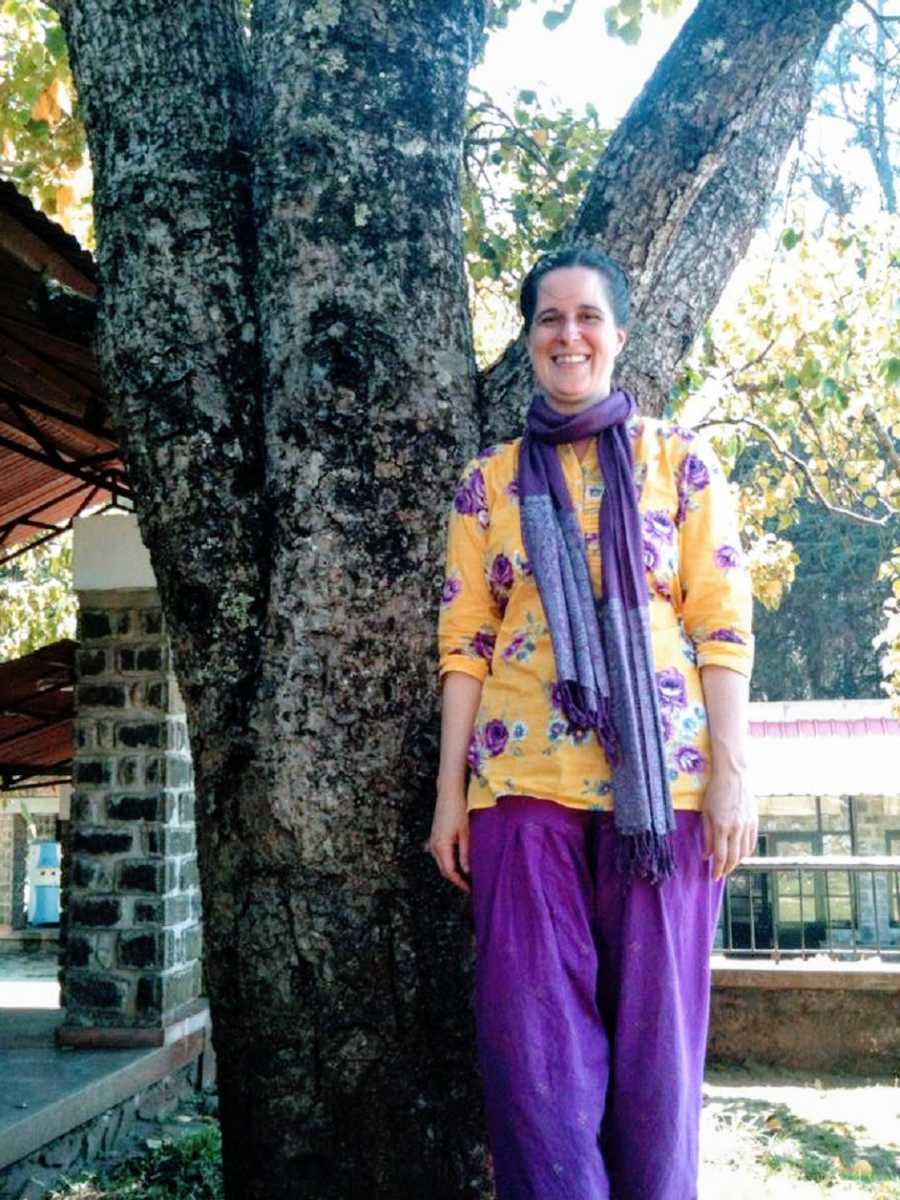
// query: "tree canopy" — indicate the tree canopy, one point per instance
point(805, 360)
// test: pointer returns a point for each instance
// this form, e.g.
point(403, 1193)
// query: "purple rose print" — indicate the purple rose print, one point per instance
point(512, 488)
point(667, 729)
point(502, 575)
point(500, 580)
point(694, 473)
point(672, 689)
point(684, 435)
point(452, 588)
point(690, 760)
point(651, 556)
point(726, 635)
point(514, 646)
point(556, 695)
point(658, 526)
point(483, 644)
point(727, 557)
point(692, 477)
point(496, 735)
point(471, 498)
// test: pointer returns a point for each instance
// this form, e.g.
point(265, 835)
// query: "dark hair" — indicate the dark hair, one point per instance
point(615, 281)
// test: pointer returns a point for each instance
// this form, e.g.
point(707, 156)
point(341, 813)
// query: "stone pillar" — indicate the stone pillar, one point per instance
point(132, 962)
point(13, 854)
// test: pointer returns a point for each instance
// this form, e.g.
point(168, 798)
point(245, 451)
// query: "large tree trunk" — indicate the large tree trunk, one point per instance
point(291, 370)
point(685, 181)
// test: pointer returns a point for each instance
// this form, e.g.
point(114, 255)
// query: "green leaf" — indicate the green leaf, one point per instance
point(839, 325)
point(830, 388)
point(791, 382)
point(630, 8)
point(527, 96)
point(790, 238)
point(631, 33)
point(55, 41)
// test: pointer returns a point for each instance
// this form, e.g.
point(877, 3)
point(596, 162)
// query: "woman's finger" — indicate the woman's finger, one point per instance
point(707, 834)
point(735, 846)
point(464, 849)
point(445, 857)
point(720, 851)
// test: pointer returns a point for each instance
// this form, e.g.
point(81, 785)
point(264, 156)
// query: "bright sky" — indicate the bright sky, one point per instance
point(578, 62)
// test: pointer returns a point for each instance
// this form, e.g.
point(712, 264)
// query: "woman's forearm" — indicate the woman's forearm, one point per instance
point(460, 699)
point(729, 807)
point(727, 696)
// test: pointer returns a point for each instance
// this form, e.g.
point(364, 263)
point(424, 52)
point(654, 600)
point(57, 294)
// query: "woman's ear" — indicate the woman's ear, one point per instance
point(621, 337)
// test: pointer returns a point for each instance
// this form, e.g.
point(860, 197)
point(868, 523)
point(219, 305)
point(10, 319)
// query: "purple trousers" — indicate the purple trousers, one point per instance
point(591, 1005)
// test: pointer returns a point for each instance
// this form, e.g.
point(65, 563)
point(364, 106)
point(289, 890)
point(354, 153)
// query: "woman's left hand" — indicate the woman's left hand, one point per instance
point(730, 821)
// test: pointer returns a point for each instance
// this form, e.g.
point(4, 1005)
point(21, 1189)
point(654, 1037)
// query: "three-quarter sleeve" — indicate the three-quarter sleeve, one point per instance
point(717, 604)
point(469, 616)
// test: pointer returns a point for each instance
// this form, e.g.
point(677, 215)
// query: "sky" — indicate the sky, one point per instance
point(577, 63)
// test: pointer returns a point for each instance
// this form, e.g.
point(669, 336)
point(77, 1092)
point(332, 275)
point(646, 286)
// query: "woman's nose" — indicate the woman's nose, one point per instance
point(568, 329)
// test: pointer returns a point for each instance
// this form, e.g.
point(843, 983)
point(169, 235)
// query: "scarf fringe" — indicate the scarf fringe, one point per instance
point(646, 855)
point(588, 714)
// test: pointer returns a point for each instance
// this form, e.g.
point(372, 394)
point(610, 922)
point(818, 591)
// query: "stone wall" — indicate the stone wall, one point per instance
point(13, 851)
point(133, 938)
point(102, 1141)
point(831, 1018)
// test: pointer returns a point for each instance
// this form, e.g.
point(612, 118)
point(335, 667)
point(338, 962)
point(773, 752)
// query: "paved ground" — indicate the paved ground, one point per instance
point(28, 979)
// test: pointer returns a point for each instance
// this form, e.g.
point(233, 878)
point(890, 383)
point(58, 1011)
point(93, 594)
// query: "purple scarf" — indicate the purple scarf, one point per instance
point(604, 658)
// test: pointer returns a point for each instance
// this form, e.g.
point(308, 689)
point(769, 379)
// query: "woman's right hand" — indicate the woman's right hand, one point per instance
point(449, 840)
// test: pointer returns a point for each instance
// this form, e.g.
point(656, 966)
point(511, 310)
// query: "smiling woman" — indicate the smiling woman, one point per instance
point(595, 649)
point(574, 338)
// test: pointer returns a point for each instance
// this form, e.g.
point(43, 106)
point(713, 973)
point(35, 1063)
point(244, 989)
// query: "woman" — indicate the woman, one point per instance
point(595, 655)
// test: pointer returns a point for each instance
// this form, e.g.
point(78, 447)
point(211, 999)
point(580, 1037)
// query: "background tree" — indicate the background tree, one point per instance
point(285, 340)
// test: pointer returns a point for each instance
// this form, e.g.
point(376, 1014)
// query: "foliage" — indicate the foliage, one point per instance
point(803, 365)
point(526, 170)
point(37, 603)
point(818, 644)
point(42, 142)
point(187, 1169)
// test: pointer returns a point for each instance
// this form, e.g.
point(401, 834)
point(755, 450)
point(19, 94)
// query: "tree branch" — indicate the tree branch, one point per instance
point(884, 438)
point(704, 165)
point(797, 462)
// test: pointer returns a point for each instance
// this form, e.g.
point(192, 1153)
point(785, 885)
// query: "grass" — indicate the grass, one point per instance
point(790, 1136)
point(186, 1168)
point(766, 1135)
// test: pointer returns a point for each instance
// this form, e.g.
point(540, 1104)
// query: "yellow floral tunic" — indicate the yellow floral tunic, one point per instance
point(493, 627)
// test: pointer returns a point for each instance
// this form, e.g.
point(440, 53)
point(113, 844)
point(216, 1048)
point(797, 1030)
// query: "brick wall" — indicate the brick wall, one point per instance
point(133, 938)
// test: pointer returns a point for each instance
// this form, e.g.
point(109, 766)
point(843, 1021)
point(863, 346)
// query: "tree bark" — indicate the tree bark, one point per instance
point(284, 337)
point(685, 181)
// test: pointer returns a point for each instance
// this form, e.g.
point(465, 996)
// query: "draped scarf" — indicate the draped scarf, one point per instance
point(606, 682)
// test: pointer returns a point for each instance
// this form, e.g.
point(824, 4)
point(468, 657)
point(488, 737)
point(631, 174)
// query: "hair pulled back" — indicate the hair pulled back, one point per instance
point(615, 281)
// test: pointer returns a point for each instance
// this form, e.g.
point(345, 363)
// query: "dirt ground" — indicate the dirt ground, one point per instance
point(772, 1134)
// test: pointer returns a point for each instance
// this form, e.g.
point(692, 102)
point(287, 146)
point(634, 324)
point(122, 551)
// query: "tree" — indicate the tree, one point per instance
point(286, 344)
point(39, 605)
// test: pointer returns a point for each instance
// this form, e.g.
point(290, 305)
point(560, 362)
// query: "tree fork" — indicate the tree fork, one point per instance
point(685, 180)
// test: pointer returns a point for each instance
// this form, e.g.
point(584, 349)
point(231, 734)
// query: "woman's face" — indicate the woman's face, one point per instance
point(574, 339)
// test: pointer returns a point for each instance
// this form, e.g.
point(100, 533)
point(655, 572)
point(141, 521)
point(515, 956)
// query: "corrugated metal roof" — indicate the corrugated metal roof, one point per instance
point(58, 453)
point(36, 709)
